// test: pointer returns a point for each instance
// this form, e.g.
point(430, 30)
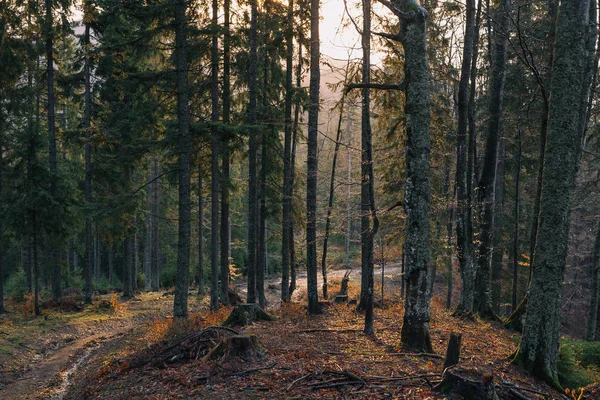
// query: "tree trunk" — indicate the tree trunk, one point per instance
point(200, 234)
point(155, 231)
point(49, 35)
point(225, 154)
point(127, 265)
point(183, 146)
point(214, 215)
point(415, 327)
point(517, 212)
point(538, 352)
point(111, 261)
point(2, 243)
point(498, 253)
point(252, 156)
point(464, 223)
point(449, 220)
point(338, 137)
point(36, 267)
point(367, 208)
point(486, 191)
point(148, 243)
point(593, 316)
point(312, 164)
point(287, 156)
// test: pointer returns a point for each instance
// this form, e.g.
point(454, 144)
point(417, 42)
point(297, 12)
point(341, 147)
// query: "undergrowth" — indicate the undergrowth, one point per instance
point(578, 363)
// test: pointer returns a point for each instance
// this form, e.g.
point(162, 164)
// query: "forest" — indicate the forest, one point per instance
point(366, 199)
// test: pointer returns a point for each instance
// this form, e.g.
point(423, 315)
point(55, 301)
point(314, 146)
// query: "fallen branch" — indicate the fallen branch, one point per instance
point(432, 355)
point(250, 371)
point(296, 381)
point(327, 330)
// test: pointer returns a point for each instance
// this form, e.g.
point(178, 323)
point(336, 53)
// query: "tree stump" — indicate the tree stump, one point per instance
point(345, 282)
point(453, 353)
point(245, 347)
point(246, 314)
point(341, 299)
point(233, 297)
point(469, 383)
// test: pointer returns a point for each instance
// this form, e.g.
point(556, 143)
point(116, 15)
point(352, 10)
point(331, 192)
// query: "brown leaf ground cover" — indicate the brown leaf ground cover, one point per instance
point(326, 356)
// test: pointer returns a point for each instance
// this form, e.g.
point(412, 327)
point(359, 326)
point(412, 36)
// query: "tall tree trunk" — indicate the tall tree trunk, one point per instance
point(148, 243)
point(252, 156)
point(262, 178)
point(338, 137)
point(49, 34)
point(415, 327)
point(590, 334)
point(2, 243)
point(183, 146)
point(293, 168)
point(87, 269)
point(214, 215)
point(449, 220)
point(349, 186)
point(287, 156)
point(155, 230)
point(127, 265)
point(472, 164)
point(517, 213)
point(200, 234)
point(312, 164)
point(486, 190)
point(367, 181)
point(36, 266)
point(538, 351)
point(226, 158)
point(111, 264)
point(464, 223)
point(367, 209)
point(498, 253)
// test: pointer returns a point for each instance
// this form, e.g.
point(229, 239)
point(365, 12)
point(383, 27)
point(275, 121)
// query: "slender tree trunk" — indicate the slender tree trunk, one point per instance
point(517, 213)
point(36, 268)
point(415, 327)
point(87, 271)
point(252, 157)
point(201, 289)
point(49, 34)
point(538, 352)
point(312, 164)
point(226, 158)
point(498, 253)
point(287, 156)
point(214, 216)
point(2, 243)
point(449, 219)
point(155, 230)
point(293, 170)
point(367, 202)
point(338, 137)
point(349, 187)
point(472, 172)
point(486, 190)
point(148, 243)
point(183, 146)
point(464, 221)
point(590, 334)
point(111, 264)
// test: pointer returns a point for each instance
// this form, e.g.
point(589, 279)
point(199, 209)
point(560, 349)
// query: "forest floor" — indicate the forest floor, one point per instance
point(95, 353)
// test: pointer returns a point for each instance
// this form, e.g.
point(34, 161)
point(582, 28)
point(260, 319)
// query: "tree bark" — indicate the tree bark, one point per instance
point(287, 156)
point(415, 327)
point(201, 288)
point(252, 156)
point(486, 190)
point(226, 157)
point(464, 223)
point(517, 213)
point(367, 209)
point(155, 230)
point(2, 243)
point(148, 243)
point(127, 266)
point(498, 253)
point(183, 146)
point(87, 271)
point(312, 164)
point(214, 215)
point(538, 352)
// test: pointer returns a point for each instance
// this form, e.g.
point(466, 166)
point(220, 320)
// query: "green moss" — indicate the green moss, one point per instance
point(578, 363)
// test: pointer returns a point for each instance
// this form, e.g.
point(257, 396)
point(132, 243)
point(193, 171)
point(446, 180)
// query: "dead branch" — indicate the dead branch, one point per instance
point(250, 371)
point(327, 330)
point(296, 381)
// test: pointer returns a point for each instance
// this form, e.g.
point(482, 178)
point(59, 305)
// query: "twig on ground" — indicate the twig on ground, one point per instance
point(250, 371)
point(296, 381)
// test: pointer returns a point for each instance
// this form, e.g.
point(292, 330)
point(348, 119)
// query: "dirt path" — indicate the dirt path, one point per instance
point(52, 375)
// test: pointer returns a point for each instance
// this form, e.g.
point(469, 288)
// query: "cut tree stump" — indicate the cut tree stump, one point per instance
point(341, 299)
point(453, 353)
point(469, 383)
point(246, 314)
point(234, 298)
point(245, 347)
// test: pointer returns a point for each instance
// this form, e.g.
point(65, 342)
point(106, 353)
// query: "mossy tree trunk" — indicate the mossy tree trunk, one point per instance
point(538, 352)
point(415, 327)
